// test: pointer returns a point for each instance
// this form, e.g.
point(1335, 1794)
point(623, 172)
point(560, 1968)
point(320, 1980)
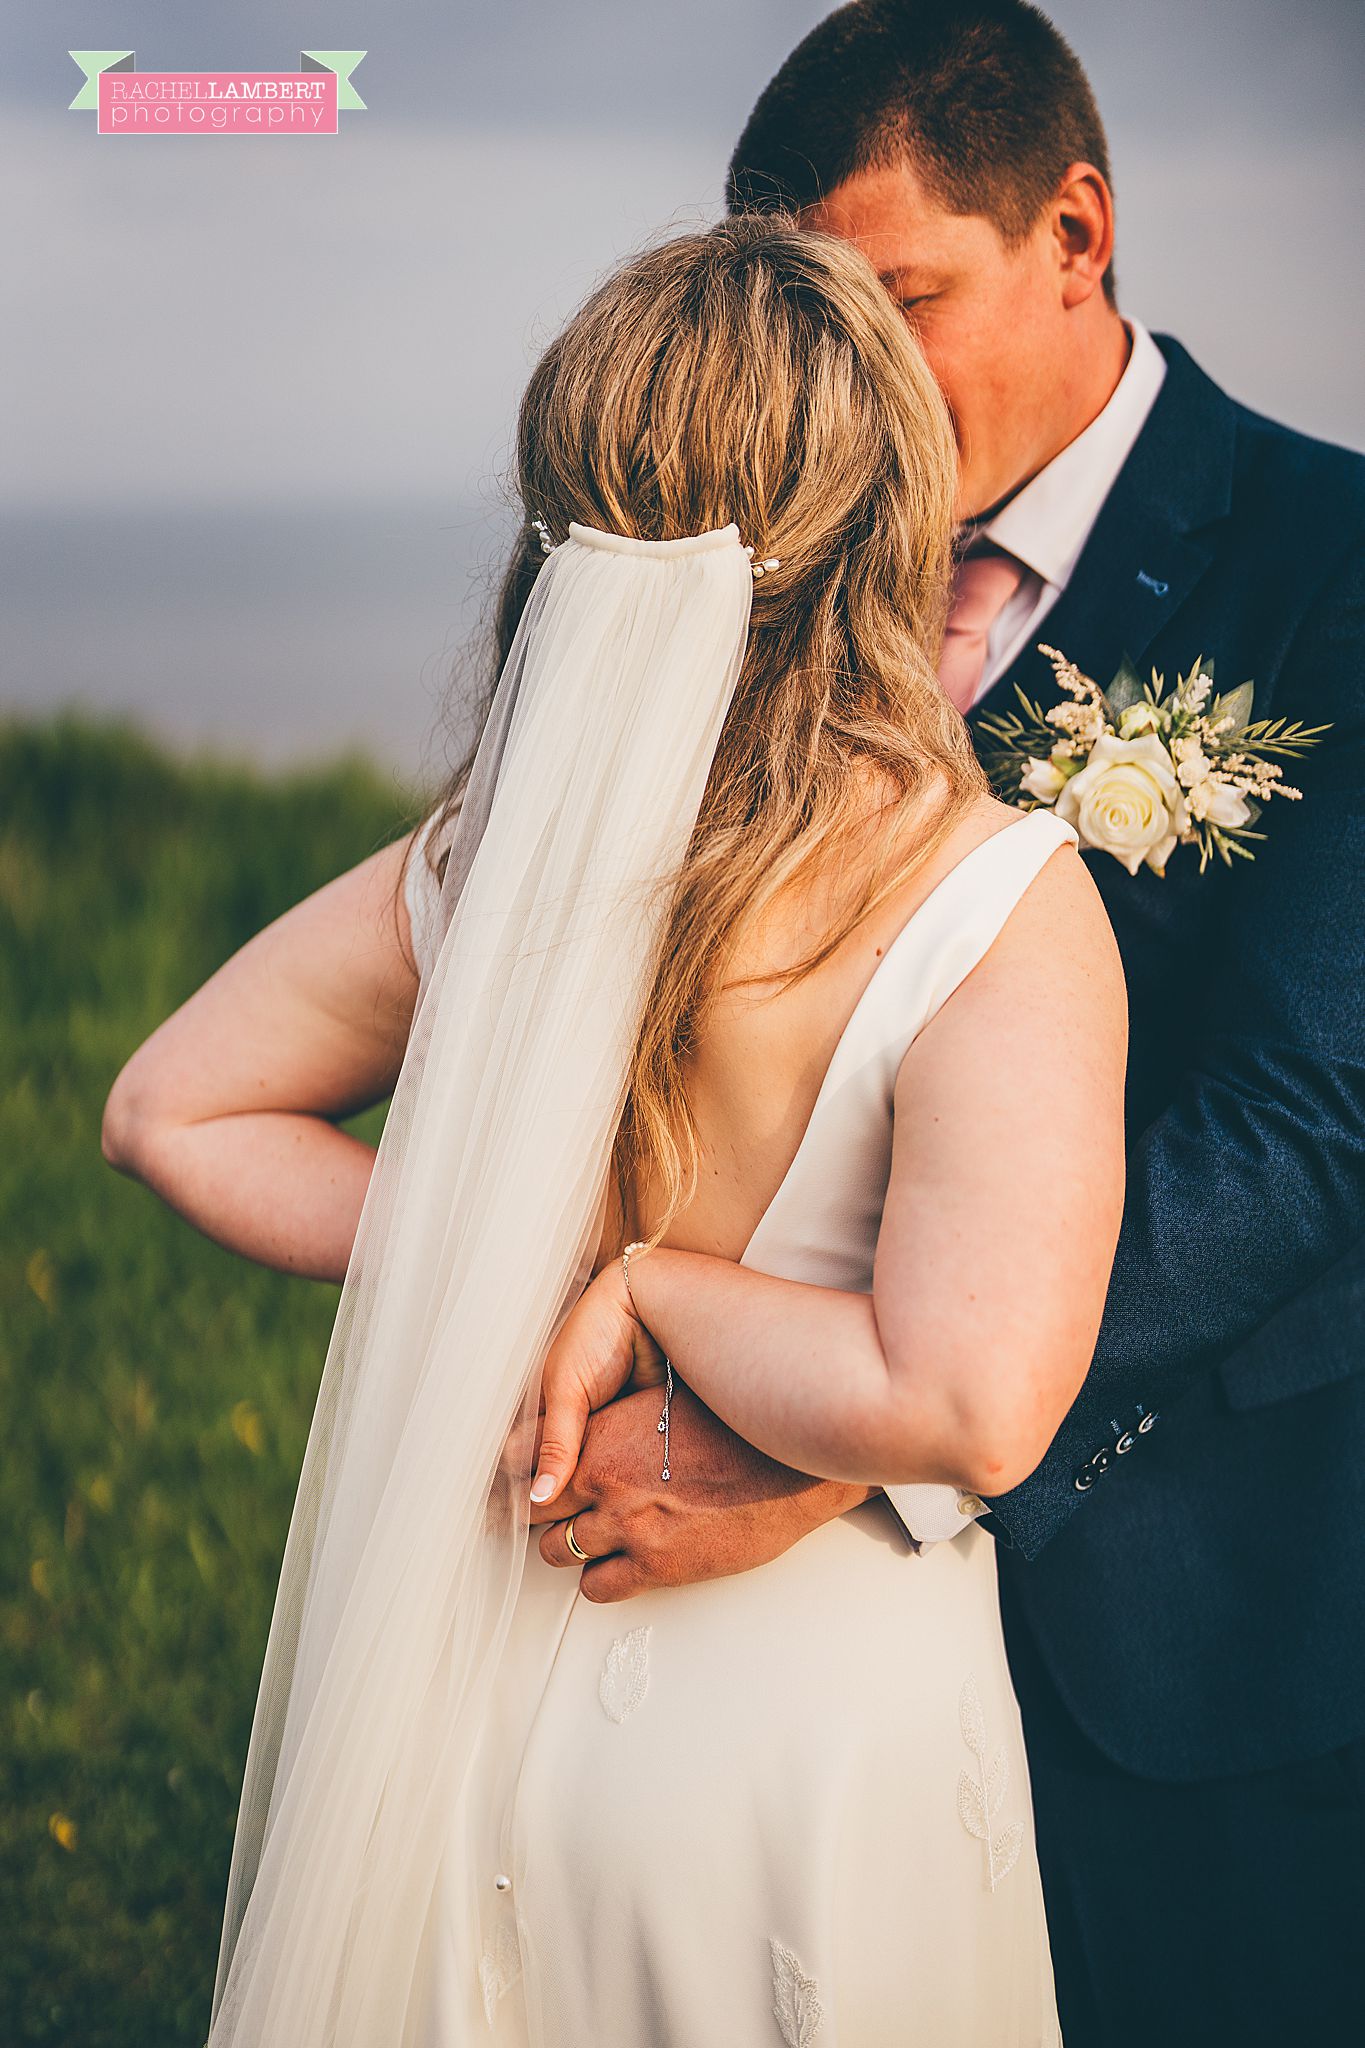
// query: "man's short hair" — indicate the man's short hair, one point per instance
point(984, 99)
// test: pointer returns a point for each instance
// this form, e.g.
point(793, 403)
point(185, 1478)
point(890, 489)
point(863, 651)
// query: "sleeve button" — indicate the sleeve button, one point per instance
point(1085, 1479)
point(1125, 1443)
point(1147, 1422)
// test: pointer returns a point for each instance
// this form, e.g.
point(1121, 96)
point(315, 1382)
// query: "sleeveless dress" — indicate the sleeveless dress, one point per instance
point(789, 1806)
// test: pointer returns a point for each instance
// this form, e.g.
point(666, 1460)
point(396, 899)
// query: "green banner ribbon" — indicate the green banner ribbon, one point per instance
point(343, 62)
point(92, 62)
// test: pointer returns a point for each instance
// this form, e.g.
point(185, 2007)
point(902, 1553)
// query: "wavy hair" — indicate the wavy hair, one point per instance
point(758, 372)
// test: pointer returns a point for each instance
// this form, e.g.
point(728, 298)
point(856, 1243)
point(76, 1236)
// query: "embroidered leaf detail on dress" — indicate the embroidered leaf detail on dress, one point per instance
point(499, 1968)
point(973, 1720)
point(981, 1794)
point(1005, 1851)
point(971, 1807)
point(625, 1675)
point(795, 2005)
point(997, 1782)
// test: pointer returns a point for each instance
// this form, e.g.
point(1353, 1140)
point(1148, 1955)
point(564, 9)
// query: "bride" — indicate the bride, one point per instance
point(736, 1036)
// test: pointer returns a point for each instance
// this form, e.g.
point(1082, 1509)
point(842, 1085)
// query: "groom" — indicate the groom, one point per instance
point(1183, 1577)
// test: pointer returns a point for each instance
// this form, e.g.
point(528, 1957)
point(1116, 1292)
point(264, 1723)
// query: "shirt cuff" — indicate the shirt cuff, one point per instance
point(934, 1514)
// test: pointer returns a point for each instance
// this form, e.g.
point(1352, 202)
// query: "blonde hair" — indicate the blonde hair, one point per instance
point(760, 374)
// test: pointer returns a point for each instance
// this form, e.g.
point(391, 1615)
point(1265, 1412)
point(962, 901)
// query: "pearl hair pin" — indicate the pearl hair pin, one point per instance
point(762, 568)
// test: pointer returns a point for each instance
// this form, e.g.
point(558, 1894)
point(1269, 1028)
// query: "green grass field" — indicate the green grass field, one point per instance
point(156, 1391)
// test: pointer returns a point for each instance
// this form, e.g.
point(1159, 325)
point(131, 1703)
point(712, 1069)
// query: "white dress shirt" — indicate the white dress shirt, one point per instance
point(1045, 525)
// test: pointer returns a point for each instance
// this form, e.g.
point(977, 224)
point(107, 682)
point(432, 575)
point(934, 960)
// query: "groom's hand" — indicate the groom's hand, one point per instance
point(725, 1508)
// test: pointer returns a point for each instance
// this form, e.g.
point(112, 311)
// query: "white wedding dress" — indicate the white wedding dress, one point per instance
point(790, 1806)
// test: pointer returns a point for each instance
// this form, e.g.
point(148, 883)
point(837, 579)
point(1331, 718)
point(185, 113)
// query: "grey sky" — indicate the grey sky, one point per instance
point(257, 392)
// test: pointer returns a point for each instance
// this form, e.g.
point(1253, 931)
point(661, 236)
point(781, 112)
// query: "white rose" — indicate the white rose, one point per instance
point(1137, 719)
point(1126, 801)
point(1218, 803)
point(1042, 779)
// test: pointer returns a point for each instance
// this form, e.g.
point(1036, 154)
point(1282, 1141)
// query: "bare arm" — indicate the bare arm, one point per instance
point(999, 1229)
point(228, 1109)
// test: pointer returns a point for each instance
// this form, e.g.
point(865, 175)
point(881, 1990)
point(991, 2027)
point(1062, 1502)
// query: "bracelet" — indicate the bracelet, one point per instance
point(640, 1246)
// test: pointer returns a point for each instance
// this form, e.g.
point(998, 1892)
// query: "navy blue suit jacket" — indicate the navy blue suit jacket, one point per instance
point(1189, 1559)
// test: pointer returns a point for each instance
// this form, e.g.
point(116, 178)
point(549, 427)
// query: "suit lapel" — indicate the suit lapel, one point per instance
point(1150, 544)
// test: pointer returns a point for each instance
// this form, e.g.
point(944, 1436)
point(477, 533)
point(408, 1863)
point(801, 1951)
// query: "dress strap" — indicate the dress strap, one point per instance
point(946, 937)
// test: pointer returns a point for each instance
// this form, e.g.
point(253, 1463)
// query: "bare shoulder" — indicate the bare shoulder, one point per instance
point(1061, 927)
point(1050, 989)
point(1059, 924)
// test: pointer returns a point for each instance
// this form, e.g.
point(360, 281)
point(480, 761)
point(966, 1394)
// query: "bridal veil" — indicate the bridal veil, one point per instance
point(410, 1528)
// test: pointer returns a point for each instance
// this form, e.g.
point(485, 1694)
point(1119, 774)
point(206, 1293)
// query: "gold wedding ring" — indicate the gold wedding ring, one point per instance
point(570, 1539)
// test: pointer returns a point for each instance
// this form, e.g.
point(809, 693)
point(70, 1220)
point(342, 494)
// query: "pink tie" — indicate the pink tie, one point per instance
point(984, 585)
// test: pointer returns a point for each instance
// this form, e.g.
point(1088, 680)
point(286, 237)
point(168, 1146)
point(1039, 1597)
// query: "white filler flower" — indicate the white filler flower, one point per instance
point(1219, 803)
point(1043, 779)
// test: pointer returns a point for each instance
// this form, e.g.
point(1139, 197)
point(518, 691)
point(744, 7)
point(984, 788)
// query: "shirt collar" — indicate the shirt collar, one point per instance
point(1047, 522)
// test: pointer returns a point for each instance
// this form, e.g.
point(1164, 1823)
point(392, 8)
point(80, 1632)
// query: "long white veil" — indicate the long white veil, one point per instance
point(409, 1532)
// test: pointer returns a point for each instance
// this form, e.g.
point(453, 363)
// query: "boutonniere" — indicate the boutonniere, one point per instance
point(1138, 771)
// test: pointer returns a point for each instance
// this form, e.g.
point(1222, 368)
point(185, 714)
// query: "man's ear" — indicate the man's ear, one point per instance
point(1083, 231)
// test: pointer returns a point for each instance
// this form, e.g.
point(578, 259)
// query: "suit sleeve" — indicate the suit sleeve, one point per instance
point(1251, 1184)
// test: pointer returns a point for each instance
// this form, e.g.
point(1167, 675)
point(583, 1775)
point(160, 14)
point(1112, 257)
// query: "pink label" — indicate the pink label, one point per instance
point(217, 103)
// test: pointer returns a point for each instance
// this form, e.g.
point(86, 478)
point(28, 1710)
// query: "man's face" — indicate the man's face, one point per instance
point(991, 320)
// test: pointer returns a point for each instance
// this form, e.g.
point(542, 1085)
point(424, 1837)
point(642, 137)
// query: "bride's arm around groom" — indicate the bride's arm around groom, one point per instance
point(992, 1259)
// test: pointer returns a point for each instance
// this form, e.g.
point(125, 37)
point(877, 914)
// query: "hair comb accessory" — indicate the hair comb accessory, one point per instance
point(631, 543)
